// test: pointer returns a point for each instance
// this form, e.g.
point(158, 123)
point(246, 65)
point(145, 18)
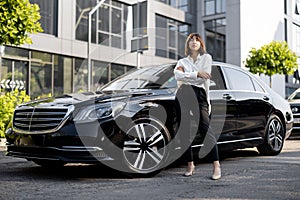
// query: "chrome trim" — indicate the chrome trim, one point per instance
point(241, 140)
point(78, 148)
point(232, 141)
point(63, 121)
point(297, 128)
point(198, 145)
point(93, 150)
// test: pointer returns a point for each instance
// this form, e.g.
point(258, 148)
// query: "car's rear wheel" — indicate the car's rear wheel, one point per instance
point(145, 149)
point(274, 137)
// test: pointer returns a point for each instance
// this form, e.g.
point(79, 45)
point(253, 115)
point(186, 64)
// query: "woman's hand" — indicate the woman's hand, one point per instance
point(203, 74)
point(180, 68)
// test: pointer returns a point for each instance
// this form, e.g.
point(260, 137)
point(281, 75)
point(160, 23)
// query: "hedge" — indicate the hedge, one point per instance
point(8, 102)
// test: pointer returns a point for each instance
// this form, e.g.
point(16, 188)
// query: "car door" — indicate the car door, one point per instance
point(252, 104)
point(223, 113)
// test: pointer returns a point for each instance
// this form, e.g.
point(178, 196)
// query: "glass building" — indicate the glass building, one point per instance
point(73, 56)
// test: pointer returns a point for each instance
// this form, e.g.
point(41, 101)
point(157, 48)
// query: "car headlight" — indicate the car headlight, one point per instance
point(94, 112)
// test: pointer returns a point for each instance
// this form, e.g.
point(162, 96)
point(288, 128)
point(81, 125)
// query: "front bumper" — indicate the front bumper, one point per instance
point(64, 145)
point(67, 154)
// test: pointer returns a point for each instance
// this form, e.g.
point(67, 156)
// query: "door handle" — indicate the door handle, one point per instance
point(226, 96)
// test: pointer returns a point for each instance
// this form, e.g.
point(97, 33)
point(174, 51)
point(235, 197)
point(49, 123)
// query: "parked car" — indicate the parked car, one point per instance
point(294, 100)
point(132, 123)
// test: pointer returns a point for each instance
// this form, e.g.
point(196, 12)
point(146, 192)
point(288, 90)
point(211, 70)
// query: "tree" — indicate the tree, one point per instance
point(18, 18)
point(273, 58)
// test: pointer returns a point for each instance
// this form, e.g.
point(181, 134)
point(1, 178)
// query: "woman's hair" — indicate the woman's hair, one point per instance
point(202, 49)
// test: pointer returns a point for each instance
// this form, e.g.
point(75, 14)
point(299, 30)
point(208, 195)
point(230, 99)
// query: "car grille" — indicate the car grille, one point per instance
point(40, 120)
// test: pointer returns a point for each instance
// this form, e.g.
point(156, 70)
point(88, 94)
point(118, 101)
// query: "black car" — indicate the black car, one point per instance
point(131, 124)
point(294, 100)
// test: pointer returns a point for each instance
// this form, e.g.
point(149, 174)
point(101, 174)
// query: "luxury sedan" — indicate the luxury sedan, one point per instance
point(294, 100)
point(133, 124)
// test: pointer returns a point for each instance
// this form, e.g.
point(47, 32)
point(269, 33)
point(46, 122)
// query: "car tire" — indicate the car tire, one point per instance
point(145, 150)
point(274, 137)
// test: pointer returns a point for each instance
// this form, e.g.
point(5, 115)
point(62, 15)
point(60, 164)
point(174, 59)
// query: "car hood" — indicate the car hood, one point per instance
point(78, 99)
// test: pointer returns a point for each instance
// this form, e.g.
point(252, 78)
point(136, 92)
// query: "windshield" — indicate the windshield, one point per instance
point(154, 77)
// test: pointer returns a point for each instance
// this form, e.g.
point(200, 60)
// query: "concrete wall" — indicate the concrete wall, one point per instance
point(233, 32)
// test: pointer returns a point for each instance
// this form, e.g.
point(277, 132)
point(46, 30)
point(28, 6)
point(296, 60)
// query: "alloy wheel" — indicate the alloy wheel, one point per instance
point(275, 134)
point(144, 148)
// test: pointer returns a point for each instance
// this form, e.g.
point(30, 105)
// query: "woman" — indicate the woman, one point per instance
point(193, 71)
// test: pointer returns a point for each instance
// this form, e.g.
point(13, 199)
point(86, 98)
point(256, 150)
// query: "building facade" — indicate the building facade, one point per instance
point(72, 55)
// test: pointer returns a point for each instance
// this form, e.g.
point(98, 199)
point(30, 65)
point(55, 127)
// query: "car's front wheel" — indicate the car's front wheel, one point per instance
point(145, 150)
point(274, 137)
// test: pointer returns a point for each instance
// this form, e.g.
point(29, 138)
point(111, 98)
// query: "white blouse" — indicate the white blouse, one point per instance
point(191, 68)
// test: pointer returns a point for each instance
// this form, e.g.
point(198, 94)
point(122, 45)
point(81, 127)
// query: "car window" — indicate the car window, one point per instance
point(258, 86)
point(239, 80)
point(297, 96)
point(217, 79)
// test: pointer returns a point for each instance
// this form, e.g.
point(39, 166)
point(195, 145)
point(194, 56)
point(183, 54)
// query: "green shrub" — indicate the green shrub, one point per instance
point(8, 103)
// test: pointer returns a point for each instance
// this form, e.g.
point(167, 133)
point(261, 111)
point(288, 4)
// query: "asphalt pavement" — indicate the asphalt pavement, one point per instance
point(246, 175)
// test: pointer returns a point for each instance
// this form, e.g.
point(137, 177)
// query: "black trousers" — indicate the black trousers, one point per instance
point(188, 98)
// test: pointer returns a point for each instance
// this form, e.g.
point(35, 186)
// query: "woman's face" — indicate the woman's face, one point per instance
point(194, 44)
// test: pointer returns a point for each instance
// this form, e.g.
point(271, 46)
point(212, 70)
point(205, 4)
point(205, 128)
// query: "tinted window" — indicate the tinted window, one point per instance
point(49, 13)
point(295, 96)
point(257, 86)
point(239, 80)
point(217, 79)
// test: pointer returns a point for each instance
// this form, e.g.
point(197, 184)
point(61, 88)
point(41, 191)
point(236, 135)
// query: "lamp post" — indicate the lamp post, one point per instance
point(89, 42)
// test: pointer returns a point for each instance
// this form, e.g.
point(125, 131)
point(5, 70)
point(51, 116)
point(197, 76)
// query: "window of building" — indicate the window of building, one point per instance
point(81, 26)
point(170, 37)
point(100, 74)
point(140, 19)
point(62, 75)
point(80, 75)
point(20, 53)
point(49, 15)
point(14, 75)
point(109, 23)
point(215, 38)
point(285, 6)
point(285, 30)
point(212, 7)
point(297, 7)
point(14, 69)
point(41, 74)
point(183, 5)
point(296, 36)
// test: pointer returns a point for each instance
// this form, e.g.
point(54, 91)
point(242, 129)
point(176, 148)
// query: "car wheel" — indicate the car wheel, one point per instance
point(49, 164)
point(145, 149)
point(274, 137)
